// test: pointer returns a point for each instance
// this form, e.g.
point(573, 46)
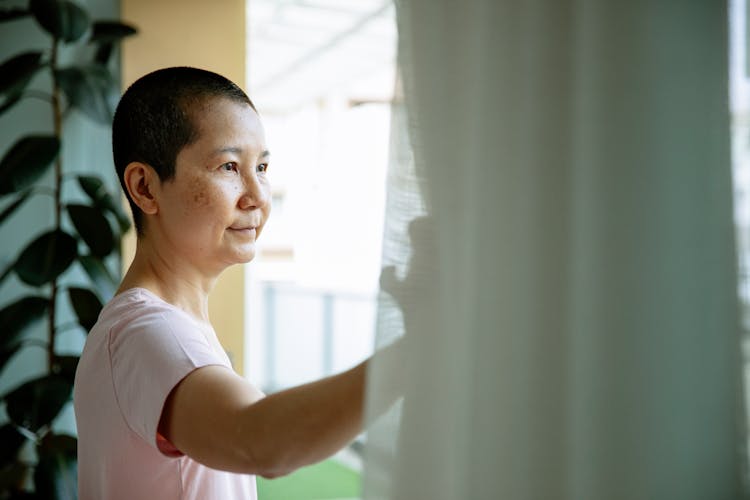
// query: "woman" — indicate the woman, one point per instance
point(160, 413)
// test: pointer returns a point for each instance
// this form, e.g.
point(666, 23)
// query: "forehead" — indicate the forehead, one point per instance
point(222, 123)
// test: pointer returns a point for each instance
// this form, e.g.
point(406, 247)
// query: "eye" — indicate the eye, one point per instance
point(263, 167)
point(229, 166)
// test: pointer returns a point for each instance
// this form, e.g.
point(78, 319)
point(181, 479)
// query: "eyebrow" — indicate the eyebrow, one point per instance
point(236, 150)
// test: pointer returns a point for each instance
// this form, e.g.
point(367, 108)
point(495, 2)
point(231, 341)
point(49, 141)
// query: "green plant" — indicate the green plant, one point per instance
point(82, 233)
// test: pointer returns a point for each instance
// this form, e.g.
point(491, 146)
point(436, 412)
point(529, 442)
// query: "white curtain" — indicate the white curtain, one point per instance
point(573, 331)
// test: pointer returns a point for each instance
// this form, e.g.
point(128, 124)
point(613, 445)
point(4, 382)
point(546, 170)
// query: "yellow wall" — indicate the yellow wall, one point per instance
point(209, 35)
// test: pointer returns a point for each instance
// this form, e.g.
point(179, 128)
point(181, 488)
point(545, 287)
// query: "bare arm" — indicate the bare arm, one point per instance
point(221, 420)
point(224, 422)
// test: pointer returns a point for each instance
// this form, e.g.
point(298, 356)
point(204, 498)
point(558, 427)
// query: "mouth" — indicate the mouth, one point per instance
point(246, 230)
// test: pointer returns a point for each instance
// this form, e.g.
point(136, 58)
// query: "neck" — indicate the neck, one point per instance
point(173, 279)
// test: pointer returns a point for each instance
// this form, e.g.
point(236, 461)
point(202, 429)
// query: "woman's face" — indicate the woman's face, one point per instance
point(214, 208)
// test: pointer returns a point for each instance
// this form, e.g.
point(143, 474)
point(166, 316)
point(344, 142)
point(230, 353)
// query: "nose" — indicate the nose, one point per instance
point(255, 193)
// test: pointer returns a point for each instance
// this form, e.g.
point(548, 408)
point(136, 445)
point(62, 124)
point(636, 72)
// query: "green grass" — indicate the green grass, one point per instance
point(326, 480)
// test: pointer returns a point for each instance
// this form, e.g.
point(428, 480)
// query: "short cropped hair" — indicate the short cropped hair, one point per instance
point(155, 120)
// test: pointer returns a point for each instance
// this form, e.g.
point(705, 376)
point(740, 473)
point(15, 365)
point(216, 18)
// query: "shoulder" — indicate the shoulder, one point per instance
point(137, 308)
point(143, 321)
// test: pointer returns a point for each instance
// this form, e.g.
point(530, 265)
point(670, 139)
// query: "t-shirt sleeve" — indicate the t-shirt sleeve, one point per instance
point(149, 357)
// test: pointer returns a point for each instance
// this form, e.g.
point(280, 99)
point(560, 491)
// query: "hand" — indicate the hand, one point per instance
point(415, 294)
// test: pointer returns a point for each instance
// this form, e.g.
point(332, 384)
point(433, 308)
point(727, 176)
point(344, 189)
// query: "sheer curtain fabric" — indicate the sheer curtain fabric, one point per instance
point(573, 331)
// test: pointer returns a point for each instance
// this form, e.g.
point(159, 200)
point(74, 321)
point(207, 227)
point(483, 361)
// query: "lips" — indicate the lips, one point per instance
point(243, 227)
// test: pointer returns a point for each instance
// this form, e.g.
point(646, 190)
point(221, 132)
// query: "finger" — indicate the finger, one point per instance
point(422, 229)
point(389, 283)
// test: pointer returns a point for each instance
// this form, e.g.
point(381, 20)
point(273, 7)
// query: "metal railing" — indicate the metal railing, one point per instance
point(321, 308)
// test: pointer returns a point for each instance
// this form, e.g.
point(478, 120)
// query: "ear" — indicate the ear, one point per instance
point(142, 183)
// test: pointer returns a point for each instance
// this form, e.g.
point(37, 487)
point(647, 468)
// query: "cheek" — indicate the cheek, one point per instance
point(198, 194)
point(200, 207)
point(208, 199)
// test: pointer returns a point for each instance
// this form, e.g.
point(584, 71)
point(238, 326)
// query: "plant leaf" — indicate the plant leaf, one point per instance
point(28, 159)
point(58, 443)
point(12, 480)
point(91, 89)
point(12, 207)
point(55, 475)
point(6, 355)
point(16, 72)
point(93, 227)
point(86, 305)
point(62, 19)
point(46, 258)
point(12, 13)
point(7, 270)
point(99, 274)
point(110, 31)
point(9, 103)
point(65, 366)
point(16, 317)
point(36, 403)
point(12, 441)
point(104, 52)
point(95, 189)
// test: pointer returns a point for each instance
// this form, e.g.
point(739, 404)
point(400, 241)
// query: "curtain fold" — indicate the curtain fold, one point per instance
point(573, 331)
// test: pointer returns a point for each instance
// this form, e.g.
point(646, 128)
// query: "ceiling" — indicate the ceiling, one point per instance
point(302, 50)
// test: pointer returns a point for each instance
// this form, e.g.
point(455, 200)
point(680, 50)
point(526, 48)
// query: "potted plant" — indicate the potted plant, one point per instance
point(36, 462)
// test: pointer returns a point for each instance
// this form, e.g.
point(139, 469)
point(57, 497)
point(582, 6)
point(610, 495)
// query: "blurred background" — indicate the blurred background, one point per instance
point(322, 75)
point(739, 95)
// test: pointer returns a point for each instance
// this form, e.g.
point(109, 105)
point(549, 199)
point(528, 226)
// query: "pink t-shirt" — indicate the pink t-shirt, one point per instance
point(137, 352)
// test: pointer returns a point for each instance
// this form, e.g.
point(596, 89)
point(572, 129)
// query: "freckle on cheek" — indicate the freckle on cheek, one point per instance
point(199, 198)
point(199, 195)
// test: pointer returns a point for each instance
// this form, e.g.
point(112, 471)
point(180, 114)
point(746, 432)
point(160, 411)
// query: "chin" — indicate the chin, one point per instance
point(239, 254)
point(245, 257)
